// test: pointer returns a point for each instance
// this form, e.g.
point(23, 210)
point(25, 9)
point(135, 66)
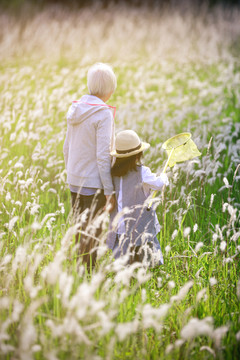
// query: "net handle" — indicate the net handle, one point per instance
point(164, 170)
point(166, 165)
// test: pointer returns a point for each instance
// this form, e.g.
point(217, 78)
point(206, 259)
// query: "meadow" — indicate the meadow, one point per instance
point(177, 71)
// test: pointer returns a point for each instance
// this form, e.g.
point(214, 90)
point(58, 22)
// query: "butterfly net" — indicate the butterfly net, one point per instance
point(181, 148)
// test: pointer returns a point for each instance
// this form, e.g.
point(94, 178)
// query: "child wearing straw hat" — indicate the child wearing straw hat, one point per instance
point(134, 226)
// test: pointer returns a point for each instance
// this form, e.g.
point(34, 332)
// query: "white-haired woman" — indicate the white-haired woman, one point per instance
point(89, 140)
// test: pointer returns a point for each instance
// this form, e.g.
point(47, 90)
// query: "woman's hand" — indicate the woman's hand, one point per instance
point(111, 203)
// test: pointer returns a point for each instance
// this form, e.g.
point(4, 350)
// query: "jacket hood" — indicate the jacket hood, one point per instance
point(81, 110)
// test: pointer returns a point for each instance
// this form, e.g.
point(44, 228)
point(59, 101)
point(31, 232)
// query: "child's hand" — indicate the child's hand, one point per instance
point(110, 204)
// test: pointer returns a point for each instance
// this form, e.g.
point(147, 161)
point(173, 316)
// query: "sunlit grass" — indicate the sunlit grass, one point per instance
point(49, 307)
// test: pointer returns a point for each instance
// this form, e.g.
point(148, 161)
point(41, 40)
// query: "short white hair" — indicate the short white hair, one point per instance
point(101, 80)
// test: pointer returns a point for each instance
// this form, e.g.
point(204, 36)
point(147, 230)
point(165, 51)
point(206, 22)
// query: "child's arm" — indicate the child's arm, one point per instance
point(151, 181)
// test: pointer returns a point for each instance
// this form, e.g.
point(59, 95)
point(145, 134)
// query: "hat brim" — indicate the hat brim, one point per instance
point(143, 147)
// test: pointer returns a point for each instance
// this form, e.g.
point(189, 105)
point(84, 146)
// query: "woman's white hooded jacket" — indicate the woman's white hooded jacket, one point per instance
point(89, 140)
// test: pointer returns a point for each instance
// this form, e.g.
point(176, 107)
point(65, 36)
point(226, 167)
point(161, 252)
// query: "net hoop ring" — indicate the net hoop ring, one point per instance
point(186, 136)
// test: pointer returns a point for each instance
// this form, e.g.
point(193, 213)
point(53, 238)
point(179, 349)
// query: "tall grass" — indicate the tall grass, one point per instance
point(175, 73)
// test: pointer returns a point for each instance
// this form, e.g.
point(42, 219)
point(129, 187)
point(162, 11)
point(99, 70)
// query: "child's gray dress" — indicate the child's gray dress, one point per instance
point(139, 223)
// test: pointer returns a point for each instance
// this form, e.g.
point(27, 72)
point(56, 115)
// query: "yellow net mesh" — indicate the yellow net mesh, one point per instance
point(184, 148)
point(179, 148)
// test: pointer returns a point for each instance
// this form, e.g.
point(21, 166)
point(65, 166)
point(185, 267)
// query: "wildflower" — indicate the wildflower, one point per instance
point(223, 245)
point(28, 182)
point(49, 222)
point(231, 210)
point(19, 173)
point(36, 226)
point(17, 310)
point(198, 246)
point(169, 348)
point(1, 235)
point(4, 302)
point(238, 336)
point(44, 185)
point(151, 316)
point(214, 238)
point(106, 323)
point(54, 191)
point(179, 343)
point(18, 203)
point(196, 327)
point(235, 236)
point(159, 282)
point(142, 276)
point(200, 294)
point(174, 234)
point(123, 294)
point(144, 295)
point(52, 271)
point(8, 196)
point(211, 351)
point(171, 284)
point(198, 272)
point(212, 281)
point(224, 207)
point(238, 289)
point(6, 348)
point(182, 292)
point(195, 228)
point(168, 249)
point(225, 180)
point(34, 209)
point(186, 231)
point(188, 311)
point(20, 258)
point(6, 260)
point(211, 200)
point(27, 337)
point(102, 250)
point(36, 348)
point(125, 329)
point(12, 222)
point(218, 334)
point(13, 136)
point(65, 286)
point(46, 217)
point(18, 165)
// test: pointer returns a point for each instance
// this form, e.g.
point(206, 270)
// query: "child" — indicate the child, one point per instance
point(89, 140)
point(135, 227)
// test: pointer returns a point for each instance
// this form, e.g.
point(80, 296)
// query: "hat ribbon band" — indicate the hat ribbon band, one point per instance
point(129, 150)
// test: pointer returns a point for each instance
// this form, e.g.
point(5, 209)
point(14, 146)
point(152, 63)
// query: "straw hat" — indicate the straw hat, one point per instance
point(128, 144)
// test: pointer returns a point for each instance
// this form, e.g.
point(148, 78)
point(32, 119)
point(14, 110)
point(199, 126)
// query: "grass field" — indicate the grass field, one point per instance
point(176, 72)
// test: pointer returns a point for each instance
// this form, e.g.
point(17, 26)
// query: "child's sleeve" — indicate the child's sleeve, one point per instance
point(151, 181)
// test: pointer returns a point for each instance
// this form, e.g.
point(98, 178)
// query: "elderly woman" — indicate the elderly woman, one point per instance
point(89, 140)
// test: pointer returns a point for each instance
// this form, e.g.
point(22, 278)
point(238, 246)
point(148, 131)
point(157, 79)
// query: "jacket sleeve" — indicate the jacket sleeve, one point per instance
point(104, 142)
point(66, 148)
point(71, 114)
